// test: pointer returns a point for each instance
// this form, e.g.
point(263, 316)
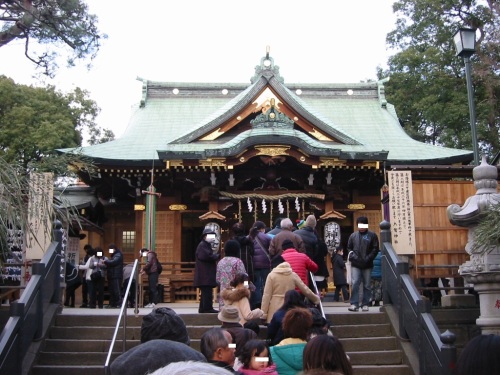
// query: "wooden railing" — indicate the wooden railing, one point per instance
point(177, 279)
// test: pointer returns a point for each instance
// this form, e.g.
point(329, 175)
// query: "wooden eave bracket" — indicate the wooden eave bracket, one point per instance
point(332, 215)
point(212, 215)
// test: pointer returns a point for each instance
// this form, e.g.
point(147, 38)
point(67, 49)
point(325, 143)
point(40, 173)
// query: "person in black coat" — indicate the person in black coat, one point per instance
point(115, 275)
point(73, 281)
point(339, 278)
point(316, 250)
point(205, 270)
point(246, 248)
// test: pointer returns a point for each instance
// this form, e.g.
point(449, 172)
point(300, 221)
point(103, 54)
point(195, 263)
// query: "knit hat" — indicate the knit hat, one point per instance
point(229, 314)
point(232, 248)
point(311, 221)
point(287, 244)
point(300, 224)
point(152, 355)
point(164, 323)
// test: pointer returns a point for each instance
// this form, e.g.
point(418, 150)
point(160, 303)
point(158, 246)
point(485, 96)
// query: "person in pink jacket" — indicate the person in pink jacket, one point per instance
point(301, 264)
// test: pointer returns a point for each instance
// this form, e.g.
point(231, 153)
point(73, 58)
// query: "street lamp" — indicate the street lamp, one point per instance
point(464, 40)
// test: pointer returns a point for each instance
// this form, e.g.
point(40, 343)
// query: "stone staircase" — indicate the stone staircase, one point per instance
point(78, 344)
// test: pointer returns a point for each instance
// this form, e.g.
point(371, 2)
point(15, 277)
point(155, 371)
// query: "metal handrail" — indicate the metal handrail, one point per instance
point(123, 309)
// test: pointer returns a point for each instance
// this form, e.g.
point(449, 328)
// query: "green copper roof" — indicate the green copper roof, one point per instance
point(356, 115)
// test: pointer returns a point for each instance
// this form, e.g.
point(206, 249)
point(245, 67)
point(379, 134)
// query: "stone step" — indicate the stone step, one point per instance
point(380, 370)
point(93, 333)
point(71, 358)
point(67, 370)
point(85, 340)
point(211, 319)
point(376, 358)
point(78, 345)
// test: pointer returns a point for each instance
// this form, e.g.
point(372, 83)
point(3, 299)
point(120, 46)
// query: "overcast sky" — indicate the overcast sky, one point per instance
point(220, 41)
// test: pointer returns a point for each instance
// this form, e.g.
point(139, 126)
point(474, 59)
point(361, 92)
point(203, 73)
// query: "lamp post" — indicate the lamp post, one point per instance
point(464, 40)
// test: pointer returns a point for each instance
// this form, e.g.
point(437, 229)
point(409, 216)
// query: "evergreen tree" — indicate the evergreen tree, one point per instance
point(47, 26)
point(35, 121)
point(427, 80)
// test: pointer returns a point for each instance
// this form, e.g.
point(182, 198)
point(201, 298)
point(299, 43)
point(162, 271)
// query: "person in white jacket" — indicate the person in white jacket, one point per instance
point(95, 277)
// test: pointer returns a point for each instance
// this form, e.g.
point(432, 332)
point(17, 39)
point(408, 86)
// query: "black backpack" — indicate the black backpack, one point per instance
point(159, 267)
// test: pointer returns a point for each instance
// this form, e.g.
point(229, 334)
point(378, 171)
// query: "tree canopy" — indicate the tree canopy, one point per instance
point(49, 27)
point(35, 121)
point(427, 80)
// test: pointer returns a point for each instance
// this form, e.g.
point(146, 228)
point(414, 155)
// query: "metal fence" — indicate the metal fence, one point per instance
point(436, 351)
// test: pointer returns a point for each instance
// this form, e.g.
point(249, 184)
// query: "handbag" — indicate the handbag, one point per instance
point(96, 275)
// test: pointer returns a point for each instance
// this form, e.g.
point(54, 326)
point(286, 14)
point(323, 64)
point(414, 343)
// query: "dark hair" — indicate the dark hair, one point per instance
point(287, 244)
point(296, 323)
point(232, 248)
point(257, 226)
point(253, 326)
point(277, 222)
point(326, 352)
point(87, 247)
point(362, 220)
point(97, 249)
point(238, 279)
point(238, 229)
point(250, 349)
point(111, 246)
point(480, 356)
point(292, 299)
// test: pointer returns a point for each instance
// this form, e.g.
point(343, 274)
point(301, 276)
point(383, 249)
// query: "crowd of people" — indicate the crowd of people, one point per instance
point(267, 277)
point(233, 349)
point(97, 268)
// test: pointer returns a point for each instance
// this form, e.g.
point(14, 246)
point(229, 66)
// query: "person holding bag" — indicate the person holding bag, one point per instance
point(94, 274)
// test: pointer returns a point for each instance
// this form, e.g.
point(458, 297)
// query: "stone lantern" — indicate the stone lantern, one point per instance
point(483, 268)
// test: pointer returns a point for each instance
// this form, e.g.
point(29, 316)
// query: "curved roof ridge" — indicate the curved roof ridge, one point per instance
point(310, 114)
point(222, 114)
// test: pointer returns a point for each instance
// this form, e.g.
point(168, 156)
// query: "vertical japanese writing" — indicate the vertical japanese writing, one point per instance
point(38, 235)
point(401, 211)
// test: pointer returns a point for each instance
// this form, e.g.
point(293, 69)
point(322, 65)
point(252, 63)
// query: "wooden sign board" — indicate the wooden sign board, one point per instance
point(39, 215)
point(401, 213)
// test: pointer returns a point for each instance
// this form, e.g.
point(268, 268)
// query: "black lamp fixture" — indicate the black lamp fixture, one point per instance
point(465, 40)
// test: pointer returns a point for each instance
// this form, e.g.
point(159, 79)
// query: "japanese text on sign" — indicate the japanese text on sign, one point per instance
point(401, 212)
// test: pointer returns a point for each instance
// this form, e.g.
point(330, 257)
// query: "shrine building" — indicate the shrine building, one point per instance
point(225, 152)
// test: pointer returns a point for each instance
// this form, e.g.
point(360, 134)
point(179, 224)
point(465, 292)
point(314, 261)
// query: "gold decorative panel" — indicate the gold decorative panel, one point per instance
point(272, 150)
point(213, 163)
